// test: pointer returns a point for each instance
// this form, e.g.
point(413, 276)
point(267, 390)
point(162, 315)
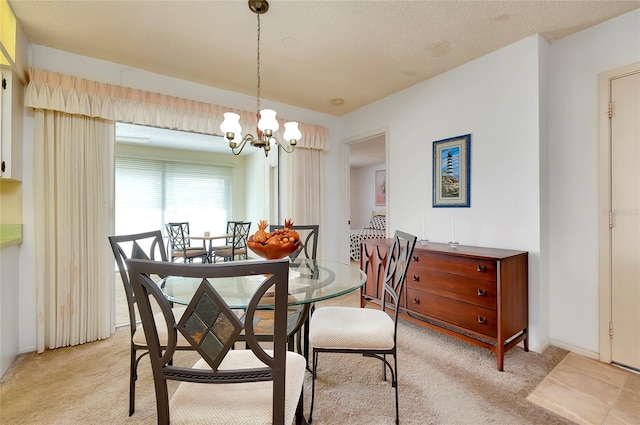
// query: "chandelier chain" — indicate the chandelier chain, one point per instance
point(258, 67)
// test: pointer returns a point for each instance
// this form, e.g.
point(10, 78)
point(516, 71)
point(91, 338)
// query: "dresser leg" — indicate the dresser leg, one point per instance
point(500, 358)
point(499, 351)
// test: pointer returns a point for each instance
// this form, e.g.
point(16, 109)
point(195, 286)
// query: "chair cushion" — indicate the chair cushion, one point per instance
point(238, 403)
point(161, 325)
point(219, 247)
point(351, 327)
point(227, 252)
point(191, 252)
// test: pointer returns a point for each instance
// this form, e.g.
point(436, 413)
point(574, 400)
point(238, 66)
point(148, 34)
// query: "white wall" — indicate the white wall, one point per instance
point(495, 99)
point(574, 65)
point(540, 301)
point(9, 288)
point(363, 195)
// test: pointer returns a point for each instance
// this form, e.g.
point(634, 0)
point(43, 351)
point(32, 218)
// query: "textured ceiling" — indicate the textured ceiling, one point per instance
point(312, 51)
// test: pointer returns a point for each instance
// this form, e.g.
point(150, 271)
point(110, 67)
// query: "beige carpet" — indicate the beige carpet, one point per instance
point(442, 381)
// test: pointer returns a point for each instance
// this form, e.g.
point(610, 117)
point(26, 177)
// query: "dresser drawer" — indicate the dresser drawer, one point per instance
point(462, 266)
point(475, 318)
point(462, 288)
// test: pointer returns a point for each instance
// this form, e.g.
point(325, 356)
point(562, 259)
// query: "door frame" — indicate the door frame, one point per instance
point(346, 201)
point(604, 203)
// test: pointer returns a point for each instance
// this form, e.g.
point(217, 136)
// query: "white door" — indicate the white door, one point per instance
point(625, 230)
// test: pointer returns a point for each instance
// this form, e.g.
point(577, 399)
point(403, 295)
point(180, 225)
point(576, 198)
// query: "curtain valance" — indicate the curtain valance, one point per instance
point(73, 95)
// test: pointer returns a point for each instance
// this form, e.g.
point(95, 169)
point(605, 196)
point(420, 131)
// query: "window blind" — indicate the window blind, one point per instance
point(150, 193)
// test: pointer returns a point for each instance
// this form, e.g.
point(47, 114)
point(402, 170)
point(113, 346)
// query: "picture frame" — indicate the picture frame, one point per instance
point(452, 172)
point(381, 187)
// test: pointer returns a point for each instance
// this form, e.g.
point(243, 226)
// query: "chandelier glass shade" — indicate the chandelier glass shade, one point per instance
point(267, 122)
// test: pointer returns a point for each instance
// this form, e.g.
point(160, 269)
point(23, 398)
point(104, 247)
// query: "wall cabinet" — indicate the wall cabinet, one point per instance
point(479, 295)
point(11, 114)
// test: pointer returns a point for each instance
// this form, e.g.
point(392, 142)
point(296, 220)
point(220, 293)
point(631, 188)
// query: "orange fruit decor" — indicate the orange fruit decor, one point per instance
point(275, 245)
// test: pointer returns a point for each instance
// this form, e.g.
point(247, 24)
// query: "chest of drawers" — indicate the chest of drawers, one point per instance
point(479, 295)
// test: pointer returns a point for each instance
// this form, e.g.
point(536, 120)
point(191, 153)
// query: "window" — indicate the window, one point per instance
point(150, 193)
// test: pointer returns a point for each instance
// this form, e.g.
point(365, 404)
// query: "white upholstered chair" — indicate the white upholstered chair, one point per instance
point(234, 386)
point(145, 246)
point(367, 331)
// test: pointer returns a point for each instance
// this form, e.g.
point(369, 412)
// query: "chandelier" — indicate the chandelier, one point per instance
point(267, 122)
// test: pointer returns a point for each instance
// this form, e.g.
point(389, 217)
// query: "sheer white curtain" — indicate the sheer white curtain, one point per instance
point(73, 182)
point(302, 187)
point(73, 203)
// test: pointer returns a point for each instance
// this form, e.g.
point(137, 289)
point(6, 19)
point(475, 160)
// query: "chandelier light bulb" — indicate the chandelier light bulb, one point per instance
point(268, 120)
point(291, 132)
point(231, 125)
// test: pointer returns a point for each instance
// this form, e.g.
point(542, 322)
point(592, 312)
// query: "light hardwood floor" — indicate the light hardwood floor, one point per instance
point(590, 392)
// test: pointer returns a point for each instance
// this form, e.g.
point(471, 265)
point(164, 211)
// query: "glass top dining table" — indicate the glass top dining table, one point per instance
point(310, 281)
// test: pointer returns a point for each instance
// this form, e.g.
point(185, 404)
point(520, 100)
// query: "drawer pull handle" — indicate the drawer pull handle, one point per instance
point(416, 258)
point(482, 268)
point(416, 300)
point(482, 319)
point(482, 292)
point(416, 278)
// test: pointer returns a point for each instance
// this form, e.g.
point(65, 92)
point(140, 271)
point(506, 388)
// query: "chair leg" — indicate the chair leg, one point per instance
point(299, 418)
point(384, 368)
point(394, 383)
point(314, 368)
point(133, 376)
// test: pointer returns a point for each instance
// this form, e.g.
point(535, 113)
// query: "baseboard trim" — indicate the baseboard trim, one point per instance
point(583, 352)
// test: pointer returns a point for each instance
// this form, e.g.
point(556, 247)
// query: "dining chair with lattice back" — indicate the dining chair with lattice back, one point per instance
point(308, 240)
point(238, 247)
point(299, 315)
point(235, 386)
point(228, 240)
point(180, 243)
point(367, 331)
point(146, 246)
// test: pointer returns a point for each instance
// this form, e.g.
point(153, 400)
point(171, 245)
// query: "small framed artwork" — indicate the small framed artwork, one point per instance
point(381, 188)
point(452, 172)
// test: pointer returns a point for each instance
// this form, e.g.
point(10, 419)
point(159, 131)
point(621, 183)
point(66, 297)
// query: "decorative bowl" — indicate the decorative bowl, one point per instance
point(273, 251)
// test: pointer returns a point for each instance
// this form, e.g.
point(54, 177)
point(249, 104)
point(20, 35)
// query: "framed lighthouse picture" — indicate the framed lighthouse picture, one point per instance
point(452, 172)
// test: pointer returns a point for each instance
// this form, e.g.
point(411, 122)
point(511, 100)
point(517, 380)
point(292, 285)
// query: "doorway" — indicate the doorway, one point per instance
point(619, 227)
point(366, 155)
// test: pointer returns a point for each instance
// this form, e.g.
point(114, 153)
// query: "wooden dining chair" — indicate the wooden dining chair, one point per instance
point(180, 243)
point(148, 246)
point(238, 247)
point(367, 331)
point(234, 386)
